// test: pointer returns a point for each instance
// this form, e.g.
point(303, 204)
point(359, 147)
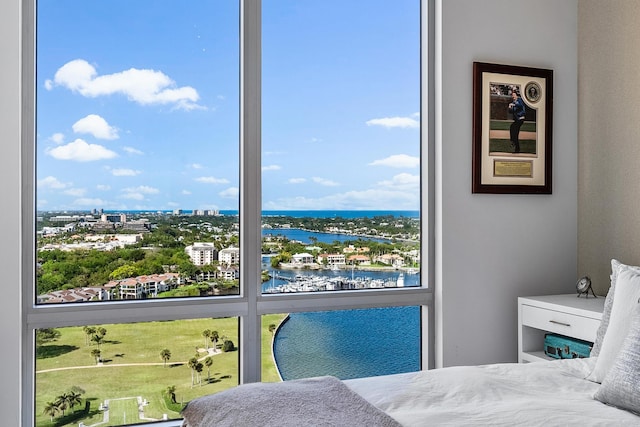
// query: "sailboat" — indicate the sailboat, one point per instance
point(400, 280)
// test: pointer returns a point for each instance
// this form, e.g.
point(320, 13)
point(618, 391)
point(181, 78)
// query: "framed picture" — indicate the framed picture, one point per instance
point(512, 123)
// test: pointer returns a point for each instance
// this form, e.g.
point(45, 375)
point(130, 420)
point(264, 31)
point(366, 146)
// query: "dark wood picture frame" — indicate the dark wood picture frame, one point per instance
point(500, 165)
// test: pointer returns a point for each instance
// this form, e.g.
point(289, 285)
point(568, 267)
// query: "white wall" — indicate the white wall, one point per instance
point(10, 212)
point(494, 248)
point(491, 249)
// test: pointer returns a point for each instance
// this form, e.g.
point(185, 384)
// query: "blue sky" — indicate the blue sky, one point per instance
point(137, 105)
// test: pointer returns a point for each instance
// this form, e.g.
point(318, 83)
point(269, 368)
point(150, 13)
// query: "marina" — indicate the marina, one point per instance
point(318, 283)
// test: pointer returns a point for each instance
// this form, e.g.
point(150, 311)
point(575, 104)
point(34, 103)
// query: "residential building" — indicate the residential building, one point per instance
point(229, 256)
point(202, 253)
point(332, 259)
point(359, 260)
point(390, 259)
point(303, 258)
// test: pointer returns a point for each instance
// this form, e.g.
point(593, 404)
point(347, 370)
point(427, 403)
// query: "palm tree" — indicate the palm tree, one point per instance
point(171, 391)
point(74, 399)
point(88, 332)
point(62, 402)
point(206, 334)
point(272, 328)
point(199, 367)
point(97, 339)
point(193, 362)
point(208, 362)
point(51, 409)
point(96, 355)
point(165, 355)
point(214, 337)
point(101, 331)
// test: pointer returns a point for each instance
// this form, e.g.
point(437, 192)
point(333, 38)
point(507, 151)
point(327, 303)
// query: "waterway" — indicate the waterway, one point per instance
point(307, 237)
point(347, 343)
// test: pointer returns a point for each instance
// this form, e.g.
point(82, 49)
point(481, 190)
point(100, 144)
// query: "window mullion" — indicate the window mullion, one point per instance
point(250, 185)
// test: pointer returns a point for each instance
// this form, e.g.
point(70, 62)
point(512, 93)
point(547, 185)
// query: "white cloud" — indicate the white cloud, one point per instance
point(371, 199)
point(401, 192)
point(51, 182)
point(398, 161)
point(395, 122)
point(97, 126)
point(138, 193)
point(125, 172)
point(143, 86)
point(186, 192)
point(143, 189)
point(58, 138)
point(297, 180)
point(80, 151)
point(132, 150)
point(195, 166)
point(212, 180)
point(271, 168)
point(76, 192)
point(103, 187)
point(231, 192)
point(133, 196)
point(402, 182)
point(324, 181)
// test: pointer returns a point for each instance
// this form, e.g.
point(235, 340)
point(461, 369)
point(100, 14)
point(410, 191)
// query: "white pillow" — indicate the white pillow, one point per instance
point(621, 386)
point(627, 294)
point(616, 266)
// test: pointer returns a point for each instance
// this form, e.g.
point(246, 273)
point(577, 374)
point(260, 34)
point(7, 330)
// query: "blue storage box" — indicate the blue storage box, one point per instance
point(561, 347)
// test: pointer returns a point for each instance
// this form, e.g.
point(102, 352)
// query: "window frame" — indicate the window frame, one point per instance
point(251, 304)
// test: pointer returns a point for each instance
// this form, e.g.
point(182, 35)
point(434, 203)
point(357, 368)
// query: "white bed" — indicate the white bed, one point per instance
point(603, 390)
point(552, 393)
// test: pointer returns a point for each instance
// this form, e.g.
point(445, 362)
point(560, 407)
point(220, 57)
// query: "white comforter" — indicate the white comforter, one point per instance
point(534, 394)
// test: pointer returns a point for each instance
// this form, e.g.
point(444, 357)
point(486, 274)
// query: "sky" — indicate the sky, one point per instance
point(137, 105)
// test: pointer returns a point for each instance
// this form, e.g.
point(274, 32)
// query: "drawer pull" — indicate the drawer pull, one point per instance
point(559, 323)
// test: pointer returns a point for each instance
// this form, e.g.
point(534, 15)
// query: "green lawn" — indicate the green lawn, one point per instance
point(132, 367)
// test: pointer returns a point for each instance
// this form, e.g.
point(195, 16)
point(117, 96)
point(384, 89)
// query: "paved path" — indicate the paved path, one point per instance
point(209, 352)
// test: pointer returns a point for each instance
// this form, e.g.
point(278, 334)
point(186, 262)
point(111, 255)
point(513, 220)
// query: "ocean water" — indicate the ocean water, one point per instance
point(350, 214)
point(340, 213)
point(349, 344)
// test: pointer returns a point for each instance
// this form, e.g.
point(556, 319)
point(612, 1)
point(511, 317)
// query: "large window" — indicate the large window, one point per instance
point(223, 192)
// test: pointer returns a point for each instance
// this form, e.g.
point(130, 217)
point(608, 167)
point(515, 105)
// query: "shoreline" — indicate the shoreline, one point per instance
point(273, 345)
point(368, 236)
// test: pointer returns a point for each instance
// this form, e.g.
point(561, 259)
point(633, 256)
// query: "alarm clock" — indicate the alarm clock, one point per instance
point(583, 286)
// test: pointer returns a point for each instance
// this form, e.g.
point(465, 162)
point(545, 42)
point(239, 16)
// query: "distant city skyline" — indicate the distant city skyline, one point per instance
point(137, 106)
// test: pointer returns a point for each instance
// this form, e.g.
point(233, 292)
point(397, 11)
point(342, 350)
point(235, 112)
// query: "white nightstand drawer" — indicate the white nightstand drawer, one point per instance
point(562, 323)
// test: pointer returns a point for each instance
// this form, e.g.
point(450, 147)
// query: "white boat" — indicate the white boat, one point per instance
point(400, 280)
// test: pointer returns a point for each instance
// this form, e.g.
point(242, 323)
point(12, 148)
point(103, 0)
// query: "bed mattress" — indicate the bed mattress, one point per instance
point(533, 394)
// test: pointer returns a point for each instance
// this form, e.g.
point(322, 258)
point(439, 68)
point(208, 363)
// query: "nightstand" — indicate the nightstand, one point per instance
point(568, 314)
